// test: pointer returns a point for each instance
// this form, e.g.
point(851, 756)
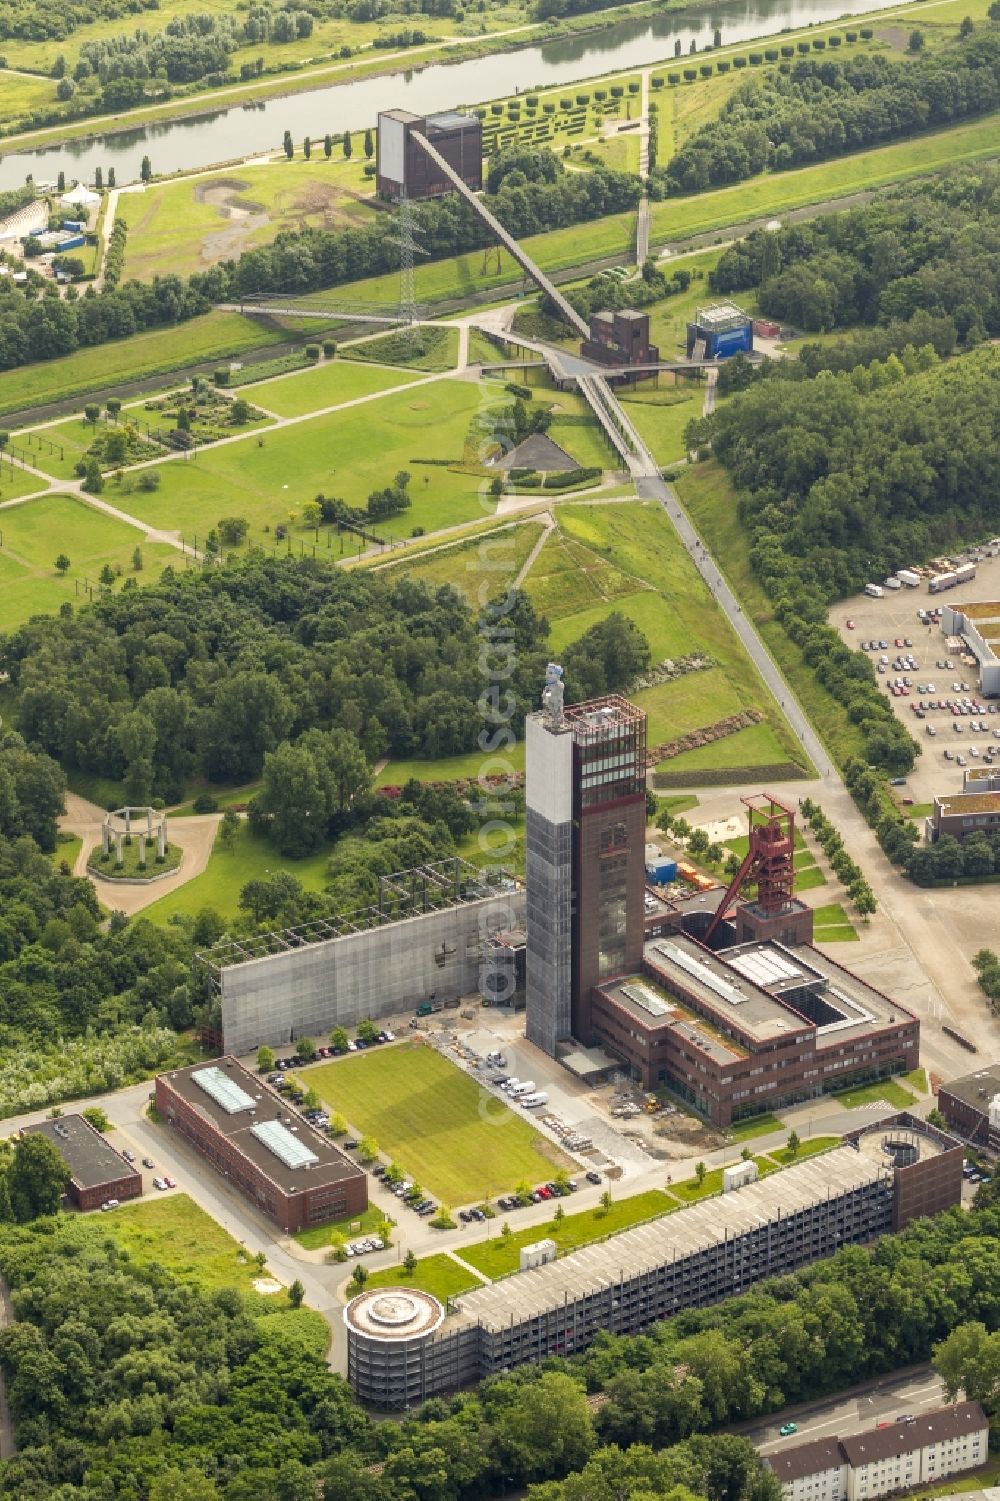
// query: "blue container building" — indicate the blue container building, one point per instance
point(719, 332)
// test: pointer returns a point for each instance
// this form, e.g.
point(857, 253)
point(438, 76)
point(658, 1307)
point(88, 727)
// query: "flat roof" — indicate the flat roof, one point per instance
point(955, 804)
point(404, 116)
point(742, 1003)
point(92, 1161)
point(976, 1089)
point(653, 1006)
point(452, 119)
point(527, 1295)
point(279, 1142)
point(903, 1438)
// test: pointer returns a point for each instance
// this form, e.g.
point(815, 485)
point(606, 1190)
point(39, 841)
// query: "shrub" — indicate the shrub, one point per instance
point(835, 40)
point(756, 58)
point(496, 109)
point(673, 78)
point(205, 803)
point(788, 50)
point(803, 47)
point(739, 62)
point(566, 104)
point(329, 348)
point(221, 376)
point(583, 99)
point(548, 107)
point(819, 44)
point(657, 80)
point(722, 65)
point(634, 87)
point(850, 36)
point(690, 74)
point(532, 101)
point(771, 54)
point(312, 352)
point(866, 33)
point(617, 92)
point(706, 70)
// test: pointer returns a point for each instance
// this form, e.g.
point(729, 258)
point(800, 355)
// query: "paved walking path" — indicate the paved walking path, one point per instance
point(468, 1267)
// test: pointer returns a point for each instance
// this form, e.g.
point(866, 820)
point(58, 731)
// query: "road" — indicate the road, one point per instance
point(857, 1411)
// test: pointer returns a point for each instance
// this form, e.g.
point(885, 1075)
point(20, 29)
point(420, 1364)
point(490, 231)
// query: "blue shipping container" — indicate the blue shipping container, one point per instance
point(661, 872)
point(74, 224)
point(730, 341)
point(72, 242)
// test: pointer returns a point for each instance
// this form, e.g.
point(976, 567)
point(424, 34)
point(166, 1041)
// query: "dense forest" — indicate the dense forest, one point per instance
point(931, 248)
point(206, 673)
point(123, 1381)
point(813, 109)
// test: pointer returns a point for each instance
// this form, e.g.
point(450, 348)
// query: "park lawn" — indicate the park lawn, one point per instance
point(325, 385)
point(772, 193)
point(181, 226)
point(661, 423)
point(452, 768)
point(317, 1236)
point(215, 335)
point(501, 1253)
point(573, 427)
point(440, 1275)
point(843, 933)
point(809, 1148)
point(831, 924)
point(33, 535)
point(445, 1131)
point(709, 499)
point(917, 1079)
point(21, 97)
point(686, 109)
point(15, 482)
point(480, 569)
point(757, 745)
point(230, 797)
point(67, 848)
point(870, 1094)
point(348, 454)
point(251, 858)
point(646, 609)
point(431, 349)
point(567, 576)
point(809, 878)
point(58, 448)
point(686, 703)
point(496, 842)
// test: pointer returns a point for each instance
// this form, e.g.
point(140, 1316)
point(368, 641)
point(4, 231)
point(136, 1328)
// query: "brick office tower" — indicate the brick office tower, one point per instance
point(585, 797)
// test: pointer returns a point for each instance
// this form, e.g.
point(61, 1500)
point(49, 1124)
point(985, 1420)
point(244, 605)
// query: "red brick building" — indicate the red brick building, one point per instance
point(754, 1028)
point(276, 1160)
point(96, 1171)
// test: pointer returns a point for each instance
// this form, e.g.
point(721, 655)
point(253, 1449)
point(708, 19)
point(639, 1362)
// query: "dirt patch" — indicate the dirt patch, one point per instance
point(266, 1285)
point(223, 194)
point(895, 36)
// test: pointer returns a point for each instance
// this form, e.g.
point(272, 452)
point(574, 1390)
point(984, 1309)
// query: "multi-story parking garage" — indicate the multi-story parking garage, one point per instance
point(887, 1175)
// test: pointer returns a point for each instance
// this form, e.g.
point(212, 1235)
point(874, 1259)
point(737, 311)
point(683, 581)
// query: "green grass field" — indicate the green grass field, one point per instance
point(452, 1137)
point(16, 482)
point(318, 1236)
point(326, 385)
point(808, 1148)
point(661, 422)
point(34, 534)
point(871, 1094)
point(416, 348)
point(267, 476)
point(489, 564)
point(451, 768)
point(500, 1254)
point(213, 336)
point(440, 1275)
point(754, 1125)
point(228, 871)
point(831, 924)
point(182, 226)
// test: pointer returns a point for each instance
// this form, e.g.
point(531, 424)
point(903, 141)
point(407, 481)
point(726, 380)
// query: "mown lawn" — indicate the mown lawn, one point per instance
point(501, 1253)
point(416, 348)
point(755, 1125)
point(440, 1275)
point(324, 385)
point(317, 1236)
point(481, 568)
point(452, 1137)
point(661, 423)
point(870, 1094)
point(809, 1148)
point(452, 768)
point(267, 477)
point(228, 871)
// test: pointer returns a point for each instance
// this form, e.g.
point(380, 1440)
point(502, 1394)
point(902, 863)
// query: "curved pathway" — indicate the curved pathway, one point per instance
point(195, 836)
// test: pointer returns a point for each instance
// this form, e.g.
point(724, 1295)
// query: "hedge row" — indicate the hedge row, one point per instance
point(725, 776)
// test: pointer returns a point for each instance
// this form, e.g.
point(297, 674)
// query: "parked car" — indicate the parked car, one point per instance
point(159, 1182)
point(148, 1162)
point(787, 1429)
point(129, 1156)
point(593, 1177)
point(109, 1204)
point(170, 1182)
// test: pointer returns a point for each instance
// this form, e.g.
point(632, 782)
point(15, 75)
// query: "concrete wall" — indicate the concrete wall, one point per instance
point(309, 991)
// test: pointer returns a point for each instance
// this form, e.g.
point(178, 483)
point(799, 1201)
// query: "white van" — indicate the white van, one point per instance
point(520, 1090)
point(533, 1101)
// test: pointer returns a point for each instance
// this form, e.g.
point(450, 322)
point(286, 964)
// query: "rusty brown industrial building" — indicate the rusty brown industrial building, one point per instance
point(274, 1158)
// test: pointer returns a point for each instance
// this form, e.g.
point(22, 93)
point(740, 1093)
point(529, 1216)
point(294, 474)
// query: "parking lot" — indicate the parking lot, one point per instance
point(934, 689)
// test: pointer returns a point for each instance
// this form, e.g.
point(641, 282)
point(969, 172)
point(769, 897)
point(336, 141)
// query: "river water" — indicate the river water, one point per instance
point(245, 130)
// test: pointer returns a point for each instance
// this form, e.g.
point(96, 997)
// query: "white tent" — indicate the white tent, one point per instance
point(81, 197)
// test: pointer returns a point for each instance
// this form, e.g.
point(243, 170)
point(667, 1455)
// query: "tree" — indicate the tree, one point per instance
point(312, 1100)
point(359, 1276)
point(233, 530)
point(265, 1059)
point(409, 1262)
point(606, 1200)
point(98, 179)
point(916, 41)
point(793, 1144)
point(969, 1360)
point(746, 1154)
point(107, 575)
point(289, 145)
point(111, 177)
point(229, 828)
point(560, 1214)
point(966, 28)
point(92, 413)
point(306, 1049)
point(369, 143)
point(137, 560)
point(367, 1149)
point(328, 146)
point(145, 169)
point(700, 1171)
point(175, 1484)
point(37, 1178)
point(296, 1294)
point(347, 147)
point(307, 148)
point(545, 1428)
point(339, 1039)
point(240, 411)
point(338, 1125)
point(97, 1118)
point(62, 562)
